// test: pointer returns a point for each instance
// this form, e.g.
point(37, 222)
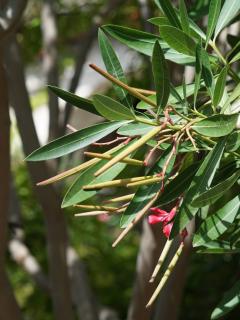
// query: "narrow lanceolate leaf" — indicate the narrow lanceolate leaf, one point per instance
point(143, 42)
point(133, 38)
point(210, 196)
point(229, 10)
point(161, 77)
point(216, 126)
point(233, 141)
point(229, 301)
point(134, 129)
point(111, 109)
point(215, 225)
point(160, 21)
point(173, 98)
point(220, 85)
point(200, 183)
point(76, 194)
point(235, 58)
point(184, 17)
point(178, 40)
point(169, 11)
point(233, 96)
point(219, 247)
point(198, 70)
point(176, 187)
point(207, 72)
point(113, 67)
point(74, 141)
point(75, 100)
point(214, 11)
point(145, 193)
point(194, 28)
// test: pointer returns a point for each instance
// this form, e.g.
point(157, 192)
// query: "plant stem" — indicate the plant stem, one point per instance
point(230, 71)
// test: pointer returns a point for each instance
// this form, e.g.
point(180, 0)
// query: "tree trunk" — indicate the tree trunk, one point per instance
point(50, 62)
point(8, 306)
point(54, 218)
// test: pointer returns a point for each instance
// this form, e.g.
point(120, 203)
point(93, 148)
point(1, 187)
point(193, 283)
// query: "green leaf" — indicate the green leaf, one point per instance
point(173, 99)
point(145, 193)
point(74, 141)
point(177, 186)
point(178, 40)
point(169, 11)
point(235, 58)
point(220, 85)
point(200, 183)
point(198, 70)
point(233, 141)
point(75, 100)
point(194, 28)
point(233, 53)
point(160, 21)
point(111, 109)
point(214, 11)
point(143, 42)
point(184, 17)
point(233, 96)
point(219, 247)
point(161, 77)
point(114, 67)
point(207, 72)
point(138, 40)
point(216, 192)
point(229, 301)
point(216, 126)
point(134, 129)
point(229, 10)
point(215, 225)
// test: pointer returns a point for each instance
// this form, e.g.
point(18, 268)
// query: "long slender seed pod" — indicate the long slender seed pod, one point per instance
point(92, 207)
point(123, 85)
point(161, 259)
point(138, 217)
point(76, 169)
point(133, 162)
point(129, 150)
point(117, 183)
point(98, 212)
point(144, 182)
point(122, 198)
point(166, 275)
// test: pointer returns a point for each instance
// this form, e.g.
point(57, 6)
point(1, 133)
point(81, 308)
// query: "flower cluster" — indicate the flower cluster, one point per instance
point(166, 219)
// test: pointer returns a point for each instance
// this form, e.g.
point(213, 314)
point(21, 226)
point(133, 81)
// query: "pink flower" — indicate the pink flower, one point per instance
point(103, 217)
point(166, 219)
point(161, 215)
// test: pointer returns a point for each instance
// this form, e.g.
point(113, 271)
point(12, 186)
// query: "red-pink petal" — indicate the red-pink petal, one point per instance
point(171, 214)
point(159, 211)
point(167, 229)
point(153, 219)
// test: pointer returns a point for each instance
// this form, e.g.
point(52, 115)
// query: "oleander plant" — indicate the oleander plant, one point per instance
point(180, 146)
